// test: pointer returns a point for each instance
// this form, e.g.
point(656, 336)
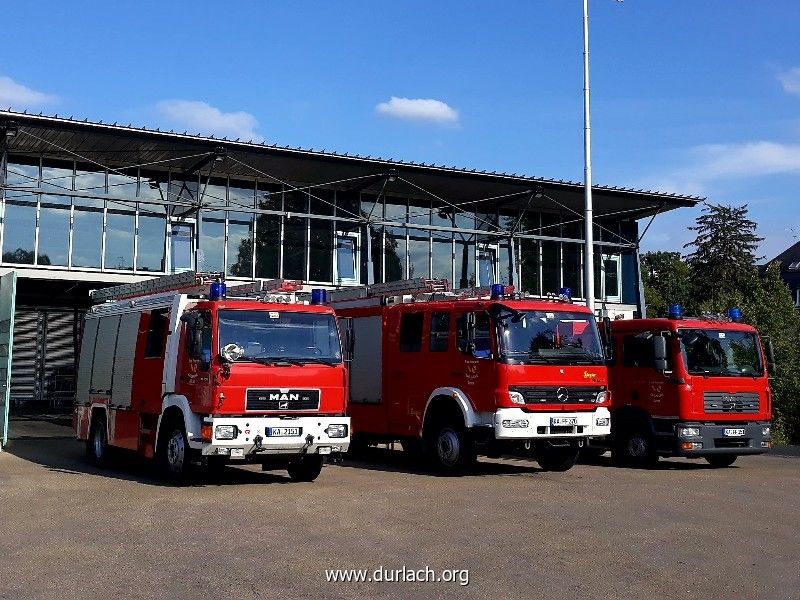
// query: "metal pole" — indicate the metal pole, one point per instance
point(588, 248)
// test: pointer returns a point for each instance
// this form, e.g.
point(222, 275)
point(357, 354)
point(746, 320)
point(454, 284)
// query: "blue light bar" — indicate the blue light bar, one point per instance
point(497, 290)
point(735, 314)
point(675, 311)
point(319, 296)
point(218, 290)
point(565, 293)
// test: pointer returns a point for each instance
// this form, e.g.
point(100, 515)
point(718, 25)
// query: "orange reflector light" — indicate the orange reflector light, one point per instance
point(206, 432)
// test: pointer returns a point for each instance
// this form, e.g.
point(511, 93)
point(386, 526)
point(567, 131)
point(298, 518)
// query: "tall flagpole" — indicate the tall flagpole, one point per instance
point(588, 248)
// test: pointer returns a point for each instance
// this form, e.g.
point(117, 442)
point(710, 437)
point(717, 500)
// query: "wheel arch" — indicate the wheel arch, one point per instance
point(442, 397)
point(177, 407)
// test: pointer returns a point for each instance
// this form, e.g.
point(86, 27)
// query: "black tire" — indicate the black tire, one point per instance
point(635, 446)
point(449, 446)
point(174, 452)
point(557, 458)
point(305, 468)
point(97, 448)
point(719, 461)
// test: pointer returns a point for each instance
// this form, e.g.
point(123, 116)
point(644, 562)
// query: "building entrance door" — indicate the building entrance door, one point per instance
point(8, 293)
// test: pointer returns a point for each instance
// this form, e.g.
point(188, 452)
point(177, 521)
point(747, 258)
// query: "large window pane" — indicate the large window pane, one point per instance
point(122, 185)
point(87, 240)
point(321, 251)
point(418, 255)
point(465, 264)
point(294, 248)
point(395, 254)
point(213, 195)
point(442, 257)
point(54, 235)
point(241, 194)
point(571, 255)
point(183, 191)
point(504, 269)
point(22, 175)
point(212, 242)
point(419, 212)
point(18, 232)
point(396, 211)
point(346, 259)
point(295, 201)
point(57, 177)
point(150, 250)
point(268, 245)
point(529, 260)
point(119, 241)
point(240, 245)
point(322, 201)
point(181, 235)
point(551, 275)
point(91, 180)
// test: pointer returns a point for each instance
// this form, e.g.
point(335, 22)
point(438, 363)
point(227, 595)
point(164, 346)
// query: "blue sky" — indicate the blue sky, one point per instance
point(687, 96)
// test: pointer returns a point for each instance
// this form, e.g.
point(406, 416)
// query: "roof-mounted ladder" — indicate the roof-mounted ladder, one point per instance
point(188, 282)
point(406, 287)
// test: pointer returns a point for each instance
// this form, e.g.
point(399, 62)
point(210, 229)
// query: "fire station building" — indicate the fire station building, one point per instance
point(87, 205)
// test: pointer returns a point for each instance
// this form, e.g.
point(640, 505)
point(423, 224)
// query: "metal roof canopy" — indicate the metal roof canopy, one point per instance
point(126, 146)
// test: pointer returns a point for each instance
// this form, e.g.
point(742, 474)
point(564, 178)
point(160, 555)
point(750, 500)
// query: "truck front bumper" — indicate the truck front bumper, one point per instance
point(728, 438)
point(263, 436)
point(517, 424)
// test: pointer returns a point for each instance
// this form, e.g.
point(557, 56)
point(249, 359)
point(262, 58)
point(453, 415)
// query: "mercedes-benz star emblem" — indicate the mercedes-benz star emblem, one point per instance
point(562, 394)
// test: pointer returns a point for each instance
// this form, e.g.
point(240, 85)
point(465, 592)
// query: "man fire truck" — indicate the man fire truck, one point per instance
point(694, 387)
point(181, 368)
point(455, 373)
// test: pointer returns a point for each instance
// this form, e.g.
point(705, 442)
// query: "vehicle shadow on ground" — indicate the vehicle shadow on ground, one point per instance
point(67, 455)
point(663, 464)
point(397, 461)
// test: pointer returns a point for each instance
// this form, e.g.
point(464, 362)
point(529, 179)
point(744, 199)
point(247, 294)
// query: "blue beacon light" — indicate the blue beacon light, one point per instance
point(674, 311)
point(218, 290)
point(319, 296)
point(497, 290)
point(735, 314)
point(565, 292)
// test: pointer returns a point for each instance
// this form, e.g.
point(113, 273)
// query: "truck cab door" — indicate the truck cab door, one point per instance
point(473, 362)
point(194, 378)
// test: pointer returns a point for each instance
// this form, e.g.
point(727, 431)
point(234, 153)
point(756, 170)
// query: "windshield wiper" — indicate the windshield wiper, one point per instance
point(317, 361)
point(274, 362)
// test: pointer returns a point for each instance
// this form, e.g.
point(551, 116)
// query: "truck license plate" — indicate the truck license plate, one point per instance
point(561, 421)
point(733, 432)
point(283, 431)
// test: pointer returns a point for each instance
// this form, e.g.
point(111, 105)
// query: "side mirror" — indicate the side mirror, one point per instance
point(769, 350)
point(608, 346)
point(349, 340)
point(659, 353)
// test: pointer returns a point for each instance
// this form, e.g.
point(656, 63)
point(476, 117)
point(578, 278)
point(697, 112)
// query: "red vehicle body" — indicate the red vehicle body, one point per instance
point(458, 375)
point(692, 387)
point(176, 376)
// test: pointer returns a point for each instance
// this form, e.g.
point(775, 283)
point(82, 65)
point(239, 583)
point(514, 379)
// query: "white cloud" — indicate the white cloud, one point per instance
point(201, 117)
point(16, 95)
point(790, 80)
point(418, 109)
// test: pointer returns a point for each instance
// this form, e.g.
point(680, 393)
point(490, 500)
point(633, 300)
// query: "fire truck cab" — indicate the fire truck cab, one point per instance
point(455, 373)
point(693, 387)
point(177, 369)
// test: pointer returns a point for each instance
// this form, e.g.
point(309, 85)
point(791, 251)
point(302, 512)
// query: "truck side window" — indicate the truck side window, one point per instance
point(440, 332)
point(411, 332)
point(156, 334)
point(637, 351)
point(483, 345)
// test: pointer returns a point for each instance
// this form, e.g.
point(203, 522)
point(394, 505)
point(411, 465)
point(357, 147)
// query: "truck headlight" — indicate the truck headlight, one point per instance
point(515, 423)
point(336, 431)
point(765, 431)
point(226, 432)
point(601, 397)
point(516, 398)
point(688, 432)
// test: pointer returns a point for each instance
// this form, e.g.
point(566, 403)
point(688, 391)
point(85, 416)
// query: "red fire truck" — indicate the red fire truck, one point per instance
point(458, 372)
point(179, 369)
point(694, 387)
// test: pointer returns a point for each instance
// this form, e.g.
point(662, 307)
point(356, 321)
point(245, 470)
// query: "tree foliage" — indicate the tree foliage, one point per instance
point(721, 272)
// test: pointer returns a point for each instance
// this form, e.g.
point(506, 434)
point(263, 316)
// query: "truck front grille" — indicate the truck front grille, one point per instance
point(723, 402)
point(550, 394)
point(278, 400)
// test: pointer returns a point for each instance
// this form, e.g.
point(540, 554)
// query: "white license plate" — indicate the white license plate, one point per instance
point(562, 421)
point(283, 431)
point(733, 432)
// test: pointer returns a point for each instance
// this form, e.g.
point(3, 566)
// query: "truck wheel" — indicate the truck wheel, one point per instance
point(174, 453)
point(305, 468)
point(97, 445)
point(635, 447)
point(450, 448)
point(721, 460)
point(557, 458)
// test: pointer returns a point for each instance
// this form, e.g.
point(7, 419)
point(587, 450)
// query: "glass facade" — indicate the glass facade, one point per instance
point(74, 216)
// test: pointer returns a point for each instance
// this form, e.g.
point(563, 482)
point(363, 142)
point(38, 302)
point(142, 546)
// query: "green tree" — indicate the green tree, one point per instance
point(723, 260)
point(666, 281)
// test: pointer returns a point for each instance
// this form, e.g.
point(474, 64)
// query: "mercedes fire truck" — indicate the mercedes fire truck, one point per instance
point(455, 373)
point(693, 387)
point(183, 368)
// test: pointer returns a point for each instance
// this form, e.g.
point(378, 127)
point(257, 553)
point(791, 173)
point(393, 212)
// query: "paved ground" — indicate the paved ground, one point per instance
point(68, 530)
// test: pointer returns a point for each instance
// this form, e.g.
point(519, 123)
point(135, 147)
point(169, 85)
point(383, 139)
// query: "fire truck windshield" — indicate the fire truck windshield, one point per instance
point(551, 337)
point(272, 336)
point(721, 353)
